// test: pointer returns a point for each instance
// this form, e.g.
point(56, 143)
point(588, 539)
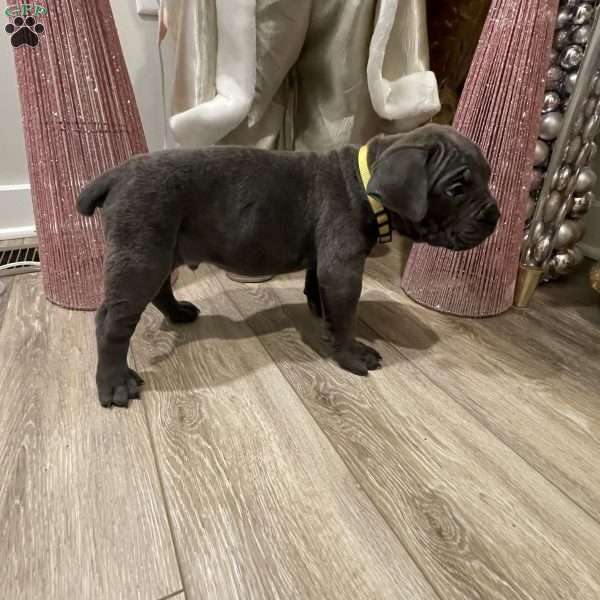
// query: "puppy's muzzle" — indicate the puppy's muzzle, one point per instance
point(477, 228)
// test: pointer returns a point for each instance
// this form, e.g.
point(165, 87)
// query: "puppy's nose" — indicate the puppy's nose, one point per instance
point(490, 214)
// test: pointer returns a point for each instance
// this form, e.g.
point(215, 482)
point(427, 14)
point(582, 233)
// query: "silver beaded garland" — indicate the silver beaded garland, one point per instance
point(569, 233)
point(558, 225)
point(585, 180)
point(572, 3)
point(569, 82)
point(583, 14)
point(541, 153)
point(581, 35)
point(552, 101)
point(552, 206)
point(551, 125)
point(561, 39)
point(573, 149)
point(571, 57)
point(590, 107)
point(542, 249)
point(563, 18)
point(578, 125)
point(563, 262)
point(580, 205)
point(584, 156)
point(563, 175)
point(554, 78)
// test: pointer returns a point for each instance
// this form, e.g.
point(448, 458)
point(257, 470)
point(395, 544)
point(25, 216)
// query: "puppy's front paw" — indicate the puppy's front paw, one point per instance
point(371, 356)
point(118, 391)
point(358, 358)
point(183, 312)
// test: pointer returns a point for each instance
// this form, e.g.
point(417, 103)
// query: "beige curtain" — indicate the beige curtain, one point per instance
point(293, 74)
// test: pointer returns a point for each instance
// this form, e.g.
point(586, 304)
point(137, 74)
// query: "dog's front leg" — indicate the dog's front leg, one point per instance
point(340, 286)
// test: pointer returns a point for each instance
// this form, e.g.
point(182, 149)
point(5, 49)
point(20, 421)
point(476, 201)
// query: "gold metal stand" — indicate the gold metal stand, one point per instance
point(527, 282)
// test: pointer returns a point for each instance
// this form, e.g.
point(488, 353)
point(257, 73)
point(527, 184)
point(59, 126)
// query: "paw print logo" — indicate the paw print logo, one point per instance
point(24, 31)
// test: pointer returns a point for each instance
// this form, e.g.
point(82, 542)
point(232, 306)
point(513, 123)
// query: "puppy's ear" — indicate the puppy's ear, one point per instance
point(399, 180)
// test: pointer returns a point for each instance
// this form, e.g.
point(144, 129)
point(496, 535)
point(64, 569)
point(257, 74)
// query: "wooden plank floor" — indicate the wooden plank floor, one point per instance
point(473, 514)
point(81, 512)
point(254, 468)
point(261, 505)
point(539, 369)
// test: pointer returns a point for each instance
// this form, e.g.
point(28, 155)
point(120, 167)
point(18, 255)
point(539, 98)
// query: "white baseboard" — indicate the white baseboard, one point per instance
point(13, 233)
point(16, 212)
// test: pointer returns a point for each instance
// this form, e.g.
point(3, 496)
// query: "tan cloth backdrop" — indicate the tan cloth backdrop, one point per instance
point(454, 30)
point(294, 74)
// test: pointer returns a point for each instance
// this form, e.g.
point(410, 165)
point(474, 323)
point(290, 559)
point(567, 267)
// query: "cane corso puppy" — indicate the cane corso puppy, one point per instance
point(258, 212)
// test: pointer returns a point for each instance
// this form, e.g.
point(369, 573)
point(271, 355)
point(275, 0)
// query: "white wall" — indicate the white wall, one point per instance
point(16, 216)
point(139, 42)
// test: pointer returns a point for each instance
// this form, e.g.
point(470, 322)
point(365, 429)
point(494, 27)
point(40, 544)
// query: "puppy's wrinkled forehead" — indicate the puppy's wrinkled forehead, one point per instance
point(449, 151)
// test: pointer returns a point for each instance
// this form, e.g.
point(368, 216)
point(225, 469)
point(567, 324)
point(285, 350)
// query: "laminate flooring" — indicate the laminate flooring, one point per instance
point(254, 468)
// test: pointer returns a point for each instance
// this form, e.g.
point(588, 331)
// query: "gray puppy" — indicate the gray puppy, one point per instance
point(258, 212)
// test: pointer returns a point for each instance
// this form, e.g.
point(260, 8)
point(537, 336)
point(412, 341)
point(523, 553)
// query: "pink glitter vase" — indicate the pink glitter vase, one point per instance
point(79, 118)
point(499, 109)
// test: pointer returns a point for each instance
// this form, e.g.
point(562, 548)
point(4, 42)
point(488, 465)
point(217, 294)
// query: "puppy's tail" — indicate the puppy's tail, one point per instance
point(95, 192)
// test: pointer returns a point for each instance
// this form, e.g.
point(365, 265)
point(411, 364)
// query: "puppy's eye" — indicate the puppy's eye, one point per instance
point(455, 189)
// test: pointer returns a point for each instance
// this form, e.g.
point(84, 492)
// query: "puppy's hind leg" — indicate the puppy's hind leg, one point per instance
point(128, 288)
point(174, 310)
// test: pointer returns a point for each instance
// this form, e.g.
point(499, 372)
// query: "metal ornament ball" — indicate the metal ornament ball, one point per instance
point(550, 125)
point(561, 39)
point(569, 82)
point(541, 153)
point(586, 180)
point(580, 205)
point(561, 263)
point(584, 13)
point(569, 233)
point(552, 101)
point(552, 206)
point(563, 18)
point(554, 76)
point(581, 35)
point(571, 57)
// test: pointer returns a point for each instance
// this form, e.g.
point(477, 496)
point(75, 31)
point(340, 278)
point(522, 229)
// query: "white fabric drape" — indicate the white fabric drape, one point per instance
point(283, 73)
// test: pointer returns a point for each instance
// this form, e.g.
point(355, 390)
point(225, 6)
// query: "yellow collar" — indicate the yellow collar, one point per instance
point(384, 231)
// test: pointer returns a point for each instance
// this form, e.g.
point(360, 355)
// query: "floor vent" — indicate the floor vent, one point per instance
point(19, 259)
